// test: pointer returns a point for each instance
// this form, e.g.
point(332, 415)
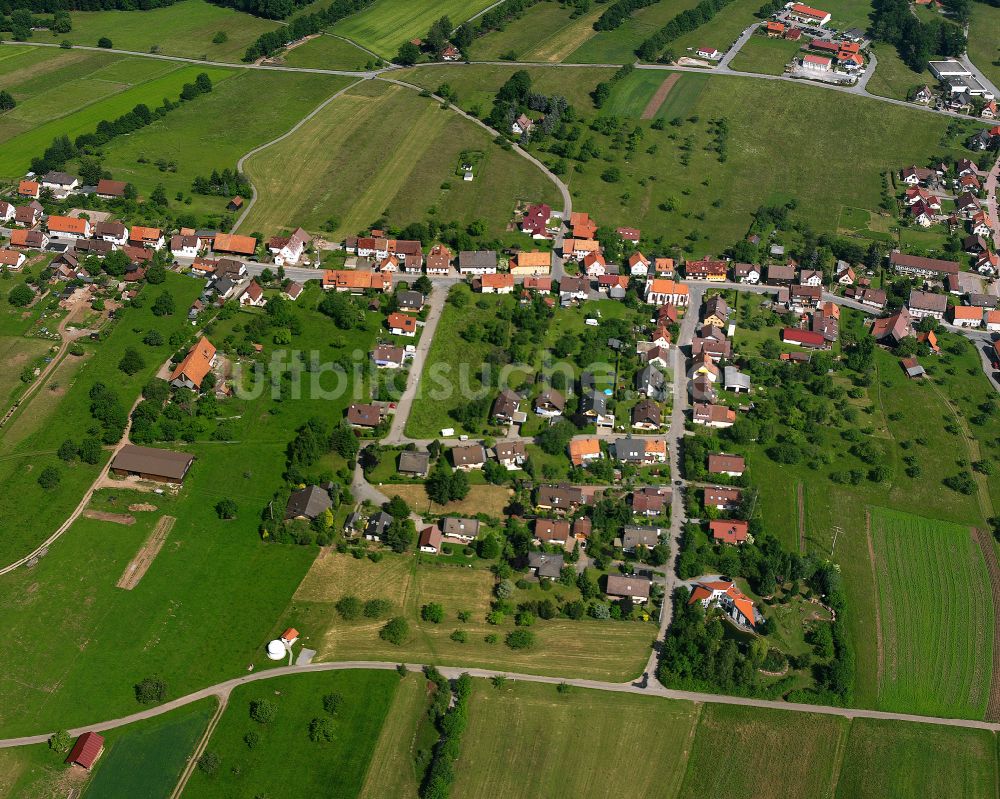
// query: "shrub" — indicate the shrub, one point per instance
point(432, 612)
point(105, 42)
point(251, 739)
point(209, 762)
point(332, 703)
point(377, 608)
point(349, 607)
point(226, 509)
point(459, 636)
point(49, 478)
point(150, 690)
point(520, 639)
point(60, 741)
point(395, 631)
point(321, 730)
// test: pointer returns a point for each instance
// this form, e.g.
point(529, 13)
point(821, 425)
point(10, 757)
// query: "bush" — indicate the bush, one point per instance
point(20, 295)
point(209, 762)
point(263, 711)
point(226, 509)
point(520, 639)
point(349, 607)
point(395, 631)
point(332, 703)
point(60, 741)
point(251, 739)
point(49, 478)
point(150, 690)
point(105, 42)
point(459, 636)
point(432, 612)
point(377, 608)
point(132, 361)
point(321, 730)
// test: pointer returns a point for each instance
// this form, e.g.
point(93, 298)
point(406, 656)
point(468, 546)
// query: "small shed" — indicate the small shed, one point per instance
point(87, 749)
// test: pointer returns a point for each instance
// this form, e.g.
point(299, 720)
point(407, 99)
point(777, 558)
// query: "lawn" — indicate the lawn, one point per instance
point(401, 171)
point(16, 353)
point(545, 32)
point(764, 55)
point(984, 40)
point(618, 46)
point(912, 761)
point(630, 96)
point(769, 754)
point(721, 31)
point(19, 150)
point(488, 499)
point(581, 743)
point(602, 650)
point(893, 78)
point(183, 29)
point(145, 760)
point(328, 52)
point(386, 24)
point(285, 761)
point(936, 616)
point(197, 143)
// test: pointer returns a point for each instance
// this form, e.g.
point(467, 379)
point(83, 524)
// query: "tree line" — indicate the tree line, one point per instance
point(271, 42)
point(62, 149)
point(915, 40)
point(227, 183)
point(685, 22)
point(617, 13)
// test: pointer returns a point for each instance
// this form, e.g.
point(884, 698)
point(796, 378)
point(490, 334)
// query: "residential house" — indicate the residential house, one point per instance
point(646, 415)
point(593, 406)
point(69, 227)
point(923, 303)
point(702, 389)
point(993, 321)
point(715, 271)
point(727, 596)
point(560, 498)
point(638, 264)
point(539, 285)
point(292, 291)
point(811, 277)
point(715, 349)
point(703, 365)
point(410, 301)
point(549, 403)
point(531, 263)
point(308, 503)
point(497, 283)
point(650, 382)
point(184, 246)
point(478, 262)
point(594, 265)
point(505, 406)
point(721, 498)
point(746, 273)
point(966, 316)
point(638, 589)
point(578, 249)
point(511, 454)
point(466, 457)
point(356, 282)
point(663, 267)
point(191, 372)
point(114, 232)
point(893, 329)
point(413, 463)
point(401, 324)
point(715, 311)
point(581, 225)
point(111, 189)
point(663, 291)
point(365, 415)
point(439, 261)
point(649, 501)
point(430, 540)
point(12, 260)
point(535, 221)
point(629, 234)
point(253, 296)
point(718, 416)
point(387, 356)
point(288, 250)
point(28, 215)
point(59, 183)
point(544, 564)
point(29, 188)
point(615, 285)
point(729, 531)
point(804, 298)
point(7, 211)
point(461, 529)
point(551, 531)
point(377, 525)
point(29, 239)
point(151, 237)
point(731, 465)
point(584, 450)
point(573, 289)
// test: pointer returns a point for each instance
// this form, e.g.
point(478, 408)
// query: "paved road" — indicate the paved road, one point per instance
point(435, 305)
point(223, 690)
point(732, 52)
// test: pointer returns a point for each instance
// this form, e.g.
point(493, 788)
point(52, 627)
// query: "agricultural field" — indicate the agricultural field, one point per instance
point(765, 56)
point(712, 201)
point(183, 29)
point(912, 761)
point(284, 761)
point(584, 648)
point(936, 616)
point(16, 353)
point(543, 731)
point(893, 78)
point(407, 729)
point(719, 32)
point(768, 754)
point(632, 96)
point(400, 171)
point(146, 759)
point(618, 46)
point(327, 52)
point(545, 32)
point(19, 149)
point(171, 151)
point(385, 25)
point(984, 40)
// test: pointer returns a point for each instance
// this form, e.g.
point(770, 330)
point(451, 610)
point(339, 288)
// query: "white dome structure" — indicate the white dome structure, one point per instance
point(276, 650)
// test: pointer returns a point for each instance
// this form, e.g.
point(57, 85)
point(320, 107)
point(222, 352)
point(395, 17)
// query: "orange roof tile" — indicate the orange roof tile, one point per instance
point(196, 363)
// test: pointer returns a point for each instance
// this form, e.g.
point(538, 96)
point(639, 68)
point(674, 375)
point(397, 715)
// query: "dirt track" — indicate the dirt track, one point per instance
point(105, 516)
point(661, 94)
point(150, 549)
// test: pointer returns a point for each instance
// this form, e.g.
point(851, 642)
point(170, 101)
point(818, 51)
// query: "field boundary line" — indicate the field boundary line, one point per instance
point(800, 498)
point(987, 547)
point(261, 147)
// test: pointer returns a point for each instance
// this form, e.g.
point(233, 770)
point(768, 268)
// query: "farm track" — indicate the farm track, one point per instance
point(151, 547)
point(658, 99)
point(986, 545)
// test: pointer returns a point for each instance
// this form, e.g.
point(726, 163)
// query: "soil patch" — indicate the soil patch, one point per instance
point(142, 506)
point(147, 554)
point(661, 94)
point(106, 516)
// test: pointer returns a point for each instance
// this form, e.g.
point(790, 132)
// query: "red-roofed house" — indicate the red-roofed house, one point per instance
point(535, 221)
point(401, 324)
point(726, 595)
point(729, 531)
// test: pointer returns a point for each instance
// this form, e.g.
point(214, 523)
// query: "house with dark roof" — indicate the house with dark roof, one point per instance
point(467, 457)
point(637, 589)
point(413, 463)
point(308, 503)
point(505, 406)
point(365, 415)
point(377, 525)
point(646, 415)
point(560, 498)
point(544, 564)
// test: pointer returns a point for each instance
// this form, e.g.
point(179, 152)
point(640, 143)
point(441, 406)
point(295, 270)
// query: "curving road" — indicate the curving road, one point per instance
point(223, 690)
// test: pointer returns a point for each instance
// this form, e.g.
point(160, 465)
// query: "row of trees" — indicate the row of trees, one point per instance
point(308, 24)
point(450, 715)
point(619, 12)
point(227, 183)
point(62, 150)
point(21, 22)
point(916, 40)
point(684, 22)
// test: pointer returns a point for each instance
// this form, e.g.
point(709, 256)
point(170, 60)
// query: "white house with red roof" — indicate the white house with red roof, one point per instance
point(726, 595)
point(253, 296)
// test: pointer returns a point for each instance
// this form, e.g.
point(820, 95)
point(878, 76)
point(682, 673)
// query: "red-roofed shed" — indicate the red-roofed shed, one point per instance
point(86, 750)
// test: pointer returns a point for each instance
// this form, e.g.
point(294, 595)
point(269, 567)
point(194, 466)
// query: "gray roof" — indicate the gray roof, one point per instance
point(310, 502)
point(378, 523)
point(148, 460)
point(477, 259)
point(455, 526)
point(414, 462)
point(926, 301)
point(649, 377)
point(646, 536)
point(630, 449)
point(593, 401)
point(734, 377)
point(410, 299)
point(620, 585)
point(546, 564)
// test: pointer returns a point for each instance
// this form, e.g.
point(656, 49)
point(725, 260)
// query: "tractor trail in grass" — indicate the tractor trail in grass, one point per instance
point(985, 542)
point(661, 95)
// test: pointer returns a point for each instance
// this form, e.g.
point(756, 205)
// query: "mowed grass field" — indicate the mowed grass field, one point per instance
point(602, 650)
point(720, 31)
point(545, 32)
point(184, 29)
point(630, 97)
point(286, 762)
point(18, 151)
point(913, 761)
point(198, 142)
point(584, 743)
point(618, 46)
point(984, 40)
point(936, 616)
point(146, 759)
point(385, 25)
point(767, 754)
point(893, 78)
point(393, 770)
point(327, 52)
point(381, 149)
point(765, 55)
